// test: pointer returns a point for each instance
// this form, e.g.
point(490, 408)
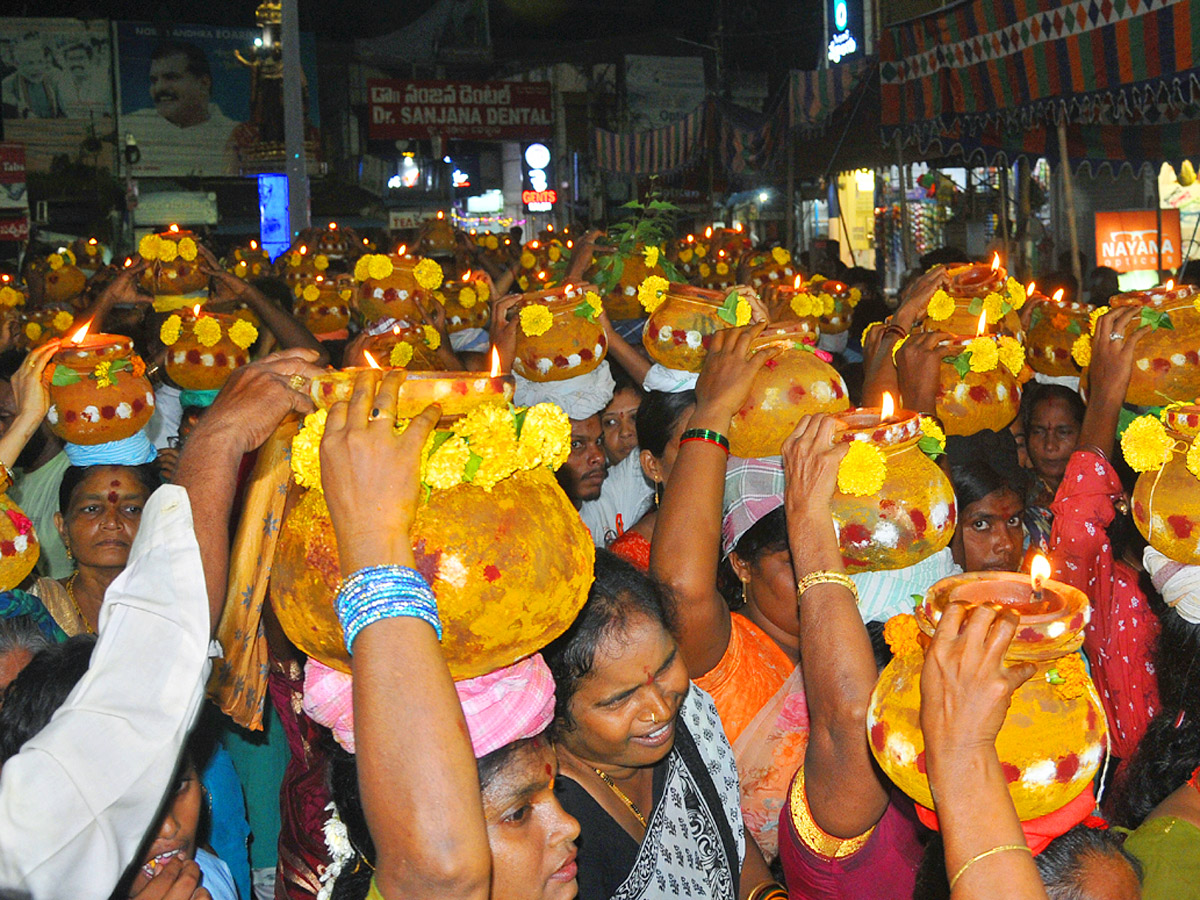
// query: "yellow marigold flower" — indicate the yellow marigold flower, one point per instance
point(102, 374)
point(491, 433)
point(379, 266)
point(1012, 354)
point(148, 247)
point(1081, 351)
point(528, 260)
point(523, 282)
point(902, 634)
point(931, 429)
point(855, 297)
point(207, 331)
point(68, 257)
point(545, 437)
point(742, 312)
point(311, 292)
point(187, 249)
point(993, 305)
point(1095, 317)
point(168, 250)
point(483, 291)
point(321, 262)
point(941, 306)
point(1016, 293)
point(345, 293)
point(650, 254)
point(294, 260)
point(824, 305)
point(554, 253)
point(467, 298)
point(55, 261)
point(685, 256)
point(705, 270)
point(1193, 457)
point(362, 268)
point(722, 268)
point(653, 290)
point(169, 333)
point(701, 251)
point(1146, 444)
point(62, 321)
point(91, 249)
point(33, 331)
point(1069, 677)
point(444, 467)
point(781, 256)
point(862, 470)
point(802, 304)
point(306, 450)
point(401, 355)
point(241, 269)
point(536, 319)
point(592, 299)
point(985, 356)
point(433, 338)
point(493, 242)
point(243, 334)
point(11, 297)
point(429, 274)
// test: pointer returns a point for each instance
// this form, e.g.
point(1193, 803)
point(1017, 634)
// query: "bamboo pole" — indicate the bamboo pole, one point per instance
point(1069, 196)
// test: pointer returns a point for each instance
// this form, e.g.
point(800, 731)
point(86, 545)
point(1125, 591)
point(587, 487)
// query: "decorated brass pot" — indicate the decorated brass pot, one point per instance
point(796, 382)
point(249, 261)
point(62, 280)
point(98, 390)
point(323, 304)
point(622, 301)
point(467, 303)
point(19, 547)
point(558, 336)
point(89, 255)
point(773, 269)
point(680, 329)
point(204, 348)
point(970, 401)
point(1053, 737)
point(41, 325)
point(174, 258)
point(1167, 365)
point(391, 287)
point(1053, 330)
point(1166, 498)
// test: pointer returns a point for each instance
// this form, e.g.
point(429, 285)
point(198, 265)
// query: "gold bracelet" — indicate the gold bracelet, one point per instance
point(984, 855)
point(768, 890)
point(812, 579)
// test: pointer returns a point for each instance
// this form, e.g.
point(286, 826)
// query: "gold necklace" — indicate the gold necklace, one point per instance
point(71, 594)
point(637, 813)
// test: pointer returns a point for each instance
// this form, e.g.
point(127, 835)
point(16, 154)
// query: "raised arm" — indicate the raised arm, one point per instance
point(687, 533)
point(845, 792)
point(121, 289)
point(880, 373)
point(1113, 349)
point(632, 361)
point(965, 692)
point(33, 400)
point(416, 771)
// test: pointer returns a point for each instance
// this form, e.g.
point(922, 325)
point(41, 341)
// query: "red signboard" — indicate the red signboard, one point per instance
point(474, 110)
point(1129, 241)
point(14, 228)
point(546, 196)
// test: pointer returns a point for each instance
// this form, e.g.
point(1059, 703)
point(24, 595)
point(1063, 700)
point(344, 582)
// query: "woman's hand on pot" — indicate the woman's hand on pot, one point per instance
point(728, 373)
point(810, 467)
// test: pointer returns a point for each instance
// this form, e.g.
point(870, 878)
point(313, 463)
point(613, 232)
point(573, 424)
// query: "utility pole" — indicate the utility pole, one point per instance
point(299, 209)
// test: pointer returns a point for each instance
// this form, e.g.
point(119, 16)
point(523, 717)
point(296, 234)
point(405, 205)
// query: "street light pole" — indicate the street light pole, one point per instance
point(293, 121)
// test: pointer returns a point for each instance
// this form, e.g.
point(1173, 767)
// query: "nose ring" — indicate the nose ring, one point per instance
point(653, 719)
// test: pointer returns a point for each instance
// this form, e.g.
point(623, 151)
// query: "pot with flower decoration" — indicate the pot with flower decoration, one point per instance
point(618, 275)
point(835, 301)
point(204, 348)
point(558, 335)
point(174, 257)
point(301, 266)
point(62, 280)
point(687, 253)
point(467, 303)
point(494, 247)
point(798, 381)
point(248, 261)
point(12, 300)
point(717, 273)
point(1166, 499)
point(89, 255)
point(495, 536)
point(771, 269)
point(412, 347)
point(973, 290)
point(1054, 327)
point(391, 286)
point(19, 548)
point(792, 302)
point(683, 320)
point(1166, 368)
point(894, 506)
point(336, 243)
point(98, 389)
point(323, 304)
point(438, 237)
point(734, 242)
point(41, 325)
point(1053, 737)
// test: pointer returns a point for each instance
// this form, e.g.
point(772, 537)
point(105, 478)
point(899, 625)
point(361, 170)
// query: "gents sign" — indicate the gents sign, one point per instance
point(476, 110)
point(1129, 241)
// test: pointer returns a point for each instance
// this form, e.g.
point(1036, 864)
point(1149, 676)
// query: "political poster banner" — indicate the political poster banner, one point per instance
point(187, 100)
point(56, 88)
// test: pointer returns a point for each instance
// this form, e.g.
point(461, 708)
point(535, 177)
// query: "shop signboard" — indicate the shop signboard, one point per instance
point(14, 200)
point(1129, 241)
point(465, 110)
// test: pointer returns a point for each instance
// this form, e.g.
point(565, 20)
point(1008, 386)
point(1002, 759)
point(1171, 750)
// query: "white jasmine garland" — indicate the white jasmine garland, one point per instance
point(341, 851)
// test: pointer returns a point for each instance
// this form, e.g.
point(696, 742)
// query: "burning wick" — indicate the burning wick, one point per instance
point(371, 360)
point(495, 371)
point(1058, 295)
point(995, 261)
point(796, 283)
point(887, 408)
point(1170, 285)
point(400, 250)
point(1029, 288)
point(1039, 571)
point(981, 329)
point(78, 336)
point(174, 228)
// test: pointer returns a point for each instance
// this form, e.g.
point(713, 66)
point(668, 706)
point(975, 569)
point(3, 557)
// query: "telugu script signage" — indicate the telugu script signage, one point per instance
point(472, 110)
point(1129, 241)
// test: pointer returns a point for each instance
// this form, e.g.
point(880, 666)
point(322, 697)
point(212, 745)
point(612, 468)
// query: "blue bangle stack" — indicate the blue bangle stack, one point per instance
point(384, 592)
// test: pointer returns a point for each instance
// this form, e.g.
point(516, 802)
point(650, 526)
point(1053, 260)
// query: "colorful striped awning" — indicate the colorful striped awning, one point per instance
point(652, 152)
point(813, 96)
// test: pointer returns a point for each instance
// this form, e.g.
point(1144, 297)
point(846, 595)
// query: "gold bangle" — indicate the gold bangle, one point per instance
point(984, 855)
point(768, 889)
point(812, 579)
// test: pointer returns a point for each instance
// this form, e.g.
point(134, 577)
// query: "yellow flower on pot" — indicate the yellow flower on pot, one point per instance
point(862, 470)
point(207, 331)
point(1146, 444)
point(1012, 354)
point(984, 354)
point(536, 319)
point(429, 274)
point(401, 355)
point(171, 328)
point(652, 291)
point(243, 333)
point(941, 306)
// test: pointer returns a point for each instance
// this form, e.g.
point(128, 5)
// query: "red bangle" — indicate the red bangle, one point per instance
point(706, 441)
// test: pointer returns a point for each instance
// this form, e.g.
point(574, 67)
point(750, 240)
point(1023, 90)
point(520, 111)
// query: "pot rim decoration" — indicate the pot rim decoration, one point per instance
point(1172, 299)
point(1184, 419)
point(558, 299)
point(866, 424)
point(451, 390)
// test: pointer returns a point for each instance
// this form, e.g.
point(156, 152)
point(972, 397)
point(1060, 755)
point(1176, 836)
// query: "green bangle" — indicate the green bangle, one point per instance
point(705, 434)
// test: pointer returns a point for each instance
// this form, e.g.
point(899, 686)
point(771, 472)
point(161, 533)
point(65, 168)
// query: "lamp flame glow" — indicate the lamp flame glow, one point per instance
point(887, 408)
point(196, 310)
point(1030, 288)
point(467, 275)
point(78, 336)
point(174, 228)
point(981, 329)
point(333, 226)
point(254, 245)
point(495, 370)
point(1039, 571)
point(1058, 295)
point(441, 215)
point(1170, 283)
point(995, 261)
point(303, 249)
point(371, 360)
point(796, 283)
point(400, 250)
point(708, 232)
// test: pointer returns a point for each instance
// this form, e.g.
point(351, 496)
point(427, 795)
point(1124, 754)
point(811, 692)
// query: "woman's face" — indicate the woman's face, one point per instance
point(103, 518)
point(624, 709)
point(619, 423)
point(990, 534)
point(771, 589)
point(531, 835)
point(177, 831)
point(1051, 439)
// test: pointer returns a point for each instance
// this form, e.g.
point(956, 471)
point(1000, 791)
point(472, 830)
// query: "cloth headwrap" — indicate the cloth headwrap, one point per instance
point(753, 489)
point(503, 706)
point(341, 334)
point(670, 381)
point(1178, 584)
point(580, 397)
point(886, 593)
point(1041, 831)
point(131, 451)
point(1067, 381)
point(834, 343)
point(471, 340)
point(16, 603)
point(197, 398)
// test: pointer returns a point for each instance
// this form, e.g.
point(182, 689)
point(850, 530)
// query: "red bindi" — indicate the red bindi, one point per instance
point(113, 497)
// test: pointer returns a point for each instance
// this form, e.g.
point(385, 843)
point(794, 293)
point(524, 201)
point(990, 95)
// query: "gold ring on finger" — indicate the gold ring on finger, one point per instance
point(297, 382)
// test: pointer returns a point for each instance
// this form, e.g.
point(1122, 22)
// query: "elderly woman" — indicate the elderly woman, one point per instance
point(645, 764)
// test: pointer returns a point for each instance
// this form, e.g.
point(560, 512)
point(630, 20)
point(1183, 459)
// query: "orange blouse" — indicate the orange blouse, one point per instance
point(750, 673)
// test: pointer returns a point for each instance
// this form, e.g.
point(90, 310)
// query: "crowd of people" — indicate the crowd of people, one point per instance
point(703, 726)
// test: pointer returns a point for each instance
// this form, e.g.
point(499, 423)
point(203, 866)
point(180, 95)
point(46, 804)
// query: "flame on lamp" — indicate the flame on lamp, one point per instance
point(128, 261)
point(1039, 571)
point(981, 328)
point(320, 278)
point(533, 245)
point(691, 238)
point(400, 250)
point(371, 360)
point(333, 226)
point(708, 232)
point(441, 215)
point(738, 227)
point(796, 283)
point(887, 408)
point(495, 370)
point(1030, 288)
point(721, 253)
point(570, 244)
point(467, 275)
point(1058, 295)
point(303, 249)
point(542, 275)
point(92, 241)
point(78, 336)
point(1170, 283)
point(995, 261)
point(254, 245)
point(196, 310)
point(174, 228)
point(396, 329)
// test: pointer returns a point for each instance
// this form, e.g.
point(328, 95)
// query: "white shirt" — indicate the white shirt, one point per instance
point(624, 498)
point(206, 148)
point(79, 797)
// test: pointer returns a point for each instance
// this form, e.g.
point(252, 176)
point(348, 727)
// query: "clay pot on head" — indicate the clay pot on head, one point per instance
point(323, 304)
point(203, 350)
point(679, 331)
point(622, 301)
point(1053, 330)
point(388, 287)
point(1166, 500)
point(19, 548)
point(558, 336)
point(89, 255)
point(412, 347)
point(249, 261)
point(336, 243)
point(1167, 365)
point(467, 303)
point(174, 259)
point(98, 390)
point(976, 401)
point(63, 281)
point(41, 325)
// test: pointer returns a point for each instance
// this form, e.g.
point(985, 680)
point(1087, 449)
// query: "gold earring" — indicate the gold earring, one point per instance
point(70, 555)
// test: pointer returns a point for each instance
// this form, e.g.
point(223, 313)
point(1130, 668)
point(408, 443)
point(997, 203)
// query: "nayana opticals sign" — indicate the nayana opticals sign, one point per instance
point(1130, 241)
point(474, 110)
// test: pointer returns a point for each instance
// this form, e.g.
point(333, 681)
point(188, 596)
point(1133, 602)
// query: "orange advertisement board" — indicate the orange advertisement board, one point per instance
point(1128, 241)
